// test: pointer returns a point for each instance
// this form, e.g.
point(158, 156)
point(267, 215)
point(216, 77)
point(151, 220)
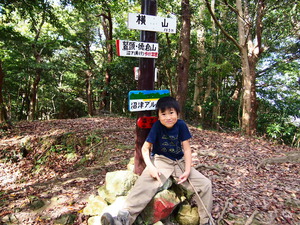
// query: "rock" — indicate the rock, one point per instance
point(130, 165)
point(160, 207)
point(188, 215)
point(9, 219)
point(108, 197)
point(167, 184)
point(119, 183)
point(112, 197)
point(65, 219)
point(36, 203)
point(114, 208)
point(159, 223)
point(95, 220)
point(95, 206)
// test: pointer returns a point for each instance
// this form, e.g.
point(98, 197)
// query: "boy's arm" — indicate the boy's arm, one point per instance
point(188, 161)
point(146, 148)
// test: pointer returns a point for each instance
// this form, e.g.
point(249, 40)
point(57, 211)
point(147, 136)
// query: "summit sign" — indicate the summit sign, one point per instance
point(151, 23)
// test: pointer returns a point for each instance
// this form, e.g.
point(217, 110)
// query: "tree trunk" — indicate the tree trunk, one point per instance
point(108, 28)
point(89, 93)
point(34, 87)
point(254, 105)
point(249, 54)
point(197, 107)
point(90, 63)
point(38, 59)
point(199, 81)
point(198, 89)
point(168, 70)
point(3, 112)
point(246, 117)
point(184, 60)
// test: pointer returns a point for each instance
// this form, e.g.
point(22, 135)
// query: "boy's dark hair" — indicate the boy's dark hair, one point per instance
point(167, 102)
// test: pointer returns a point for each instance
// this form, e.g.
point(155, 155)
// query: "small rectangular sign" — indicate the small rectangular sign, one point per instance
point(151, 23)
point(137, 49)
point(136, 71)
point(145, 100)
point(146, 122)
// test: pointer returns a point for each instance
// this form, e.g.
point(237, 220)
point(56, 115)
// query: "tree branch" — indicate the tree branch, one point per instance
point(231, 7)
point(251, 218)
point(221, 27)
point(259, 26)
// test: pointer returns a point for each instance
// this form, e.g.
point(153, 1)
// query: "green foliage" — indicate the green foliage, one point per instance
point(69, 37)
point(284, 133)
point(93, 139)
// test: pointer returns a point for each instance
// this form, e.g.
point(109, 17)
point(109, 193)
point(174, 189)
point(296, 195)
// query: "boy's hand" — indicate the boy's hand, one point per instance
point(183, 178)
point(155, 174)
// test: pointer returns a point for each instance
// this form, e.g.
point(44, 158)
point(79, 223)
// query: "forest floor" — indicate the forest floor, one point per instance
point(48, 170)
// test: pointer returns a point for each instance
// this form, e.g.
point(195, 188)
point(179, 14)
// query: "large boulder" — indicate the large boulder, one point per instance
point(119, 183)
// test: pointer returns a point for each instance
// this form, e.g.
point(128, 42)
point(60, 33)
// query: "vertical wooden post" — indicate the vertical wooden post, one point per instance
point(145, 82)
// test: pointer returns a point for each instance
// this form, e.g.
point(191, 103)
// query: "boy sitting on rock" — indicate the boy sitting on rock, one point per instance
point(169, 141)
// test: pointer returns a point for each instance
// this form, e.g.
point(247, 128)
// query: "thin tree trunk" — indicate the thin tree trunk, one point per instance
point(214, 44)
point(197, 107)
point(184, 60)
point(89, 61)
point(89, 94)
point(168, 71)
point(38, 59)
point(34, 88)
point(108, 29)
point(3, 112)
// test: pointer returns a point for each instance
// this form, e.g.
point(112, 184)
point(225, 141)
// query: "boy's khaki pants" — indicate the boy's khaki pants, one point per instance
point(146, 187)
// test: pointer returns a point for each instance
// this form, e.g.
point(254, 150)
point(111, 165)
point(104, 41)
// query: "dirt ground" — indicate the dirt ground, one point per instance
point(48, 170)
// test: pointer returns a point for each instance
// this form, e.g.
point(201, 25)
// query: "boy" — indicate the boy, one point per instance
point(169, 141)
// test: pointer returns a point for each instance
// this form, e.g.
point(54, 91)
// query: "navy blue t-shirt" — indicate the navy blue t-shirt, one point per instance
point(167, 141)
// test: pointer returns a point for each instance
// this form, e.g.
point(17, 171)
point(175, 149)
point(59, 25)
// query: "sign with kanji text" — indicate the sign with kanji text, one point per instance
point(151, 23)
point(137, 49)
point(145, 100)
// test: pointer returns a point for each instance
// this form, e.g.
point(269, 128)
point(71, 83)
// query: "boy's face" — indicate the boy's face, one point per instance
point(168, 118)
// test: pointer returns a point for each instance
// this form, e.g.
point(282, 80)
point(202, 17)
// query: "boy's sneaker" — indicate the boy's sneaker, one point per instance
point(107, 219)
point(121, 219)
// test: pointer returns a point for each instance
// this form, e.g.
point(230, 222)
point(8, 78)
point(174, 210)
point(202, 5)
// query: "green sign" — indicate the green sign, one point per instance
point(144, 100)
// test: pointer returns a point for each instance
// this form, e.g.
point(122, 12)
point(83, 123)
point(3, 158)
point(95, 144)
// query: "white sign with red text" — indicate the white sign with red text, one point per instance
point(137, 49)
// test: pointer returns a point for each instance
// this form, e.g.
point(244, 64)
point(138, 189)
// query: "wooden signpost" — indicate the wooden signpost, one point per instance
point(144, 100)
